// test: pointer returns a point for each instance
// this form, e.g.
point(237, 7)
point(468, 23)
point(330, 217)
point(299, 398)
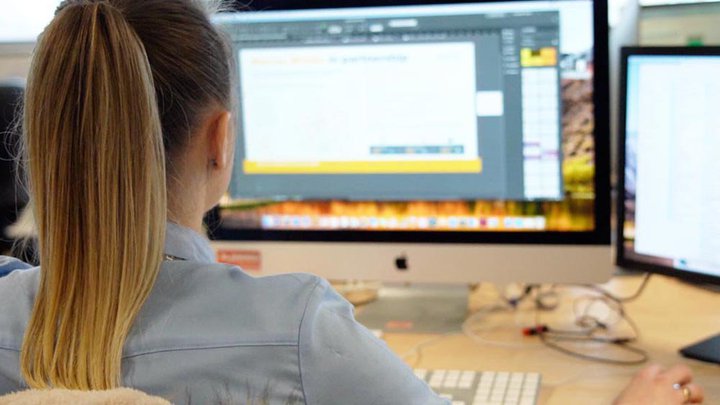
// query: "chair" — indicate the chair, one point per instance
point(13, 197)
point(61, 397)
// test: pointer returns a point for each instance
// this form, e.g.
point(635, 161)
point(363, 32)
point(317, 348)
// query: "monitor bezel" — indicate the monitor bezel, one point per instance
point(600, 235)
point(622, 259)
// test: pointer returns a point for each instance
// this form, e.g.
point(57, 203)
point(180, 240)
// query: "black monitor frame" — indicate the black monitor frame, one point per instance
point(622, 259)
point(601, 233)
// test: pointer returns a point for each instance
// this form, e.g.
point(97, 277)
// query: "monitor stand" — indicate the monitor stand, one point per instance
point(422, 308)
point(707, 350)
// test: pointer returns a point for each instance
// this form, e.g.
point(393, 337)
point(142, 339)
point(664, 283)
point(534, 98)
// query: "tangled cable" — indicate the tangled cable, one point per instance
point(590, 328)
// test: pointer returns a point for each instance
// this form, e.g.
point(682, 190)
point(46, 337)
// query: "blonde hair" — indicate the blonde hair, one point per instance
point(115, 86)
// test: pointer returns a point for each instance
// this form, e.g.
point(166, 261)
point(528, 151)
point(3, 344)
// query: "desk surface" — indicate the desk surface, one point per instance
point(670, 314)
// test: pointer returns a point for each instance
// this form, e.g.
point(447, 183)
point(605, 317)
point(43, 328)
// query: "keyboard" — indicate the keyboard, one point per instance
point(483, 387)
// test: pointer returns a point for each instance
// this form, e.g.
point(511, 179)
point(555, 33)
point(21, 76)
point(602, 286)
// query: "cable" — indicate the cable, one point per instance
point(590, 325)
point(593, 329)
point(418, 348)
point(503, 304)
point(545, 300)
point(613, 297)
point(642, 355)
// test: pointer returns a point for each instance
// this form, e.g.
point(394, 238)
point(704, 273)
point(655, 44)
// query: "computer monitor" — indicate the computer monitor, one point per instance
point(669, 192)
point(444, 142)
point(22, 21)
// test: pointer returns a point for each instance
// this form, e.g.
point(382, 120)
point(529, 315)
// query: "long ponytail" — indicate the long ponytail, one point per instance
point(96, 166)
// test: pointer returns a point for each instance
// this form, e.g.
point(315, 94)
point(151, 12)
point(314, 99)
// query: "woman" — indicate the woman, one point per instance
point(128, 142)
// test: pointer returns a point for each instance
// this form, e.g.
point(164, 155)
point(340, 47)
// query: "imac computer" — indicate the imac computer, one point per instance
point(442, 142)
point(670, 189)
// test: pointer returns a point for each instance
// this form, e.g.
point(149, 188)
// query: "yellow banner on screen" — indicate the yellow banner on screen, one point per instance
point(365, 167)
point(543, 57)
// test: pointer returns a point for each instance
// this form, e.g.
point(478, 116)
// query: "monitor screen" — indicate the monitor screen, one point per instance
point(443, 122)
point(23, 21)
point(671, 189)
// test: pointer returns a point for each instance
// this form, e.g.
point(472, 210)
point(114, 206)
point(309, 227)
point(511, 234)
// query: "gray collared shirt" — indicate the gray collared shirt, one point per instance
point(210, 333)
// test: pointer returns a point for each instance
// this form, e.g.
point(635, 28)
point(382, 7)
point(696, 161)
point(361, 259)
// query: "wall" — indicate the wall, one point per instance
point(680, 24)
point(14, 61)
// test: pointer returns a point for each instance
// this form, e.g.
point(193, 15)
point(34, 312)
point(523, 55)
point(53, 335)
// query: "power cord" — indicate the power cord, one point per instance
point(591, 328)
point(590, 333)
point(614, 297)
point(417, 350)
point(479, 334)
point(621, 343)
point(543, 300)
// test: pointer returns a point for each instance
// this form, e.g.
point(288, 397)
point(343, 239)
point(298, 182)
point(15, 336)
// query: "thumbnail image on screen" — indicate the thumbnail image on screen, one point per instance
point(672, 191)
point(467, 117)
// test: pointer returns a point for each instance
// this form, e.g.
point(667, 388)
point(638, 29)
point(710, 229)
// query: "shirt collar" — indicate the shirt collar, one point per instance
point(184, 243)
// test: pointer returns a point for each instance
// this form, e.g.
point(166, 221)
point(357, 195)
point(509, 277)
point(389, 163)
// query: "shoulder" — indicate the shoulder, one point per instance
point(17, 296)
point(281, 299)
point(10, 264)
point(19, 285)
point(340, 358)
point(285, 294)
point(222, 305)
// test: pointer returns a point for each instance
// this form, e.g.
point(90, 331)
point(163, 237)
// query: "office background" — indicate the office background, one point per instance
point(631, 23)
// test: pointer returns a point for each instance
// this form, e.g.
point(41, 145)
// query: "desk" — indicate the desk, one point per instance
point(670, 314)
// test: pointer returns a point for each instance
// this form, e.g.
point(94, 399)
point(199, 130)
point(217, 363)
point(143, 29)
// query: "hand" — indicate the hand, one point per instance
point(654, 385)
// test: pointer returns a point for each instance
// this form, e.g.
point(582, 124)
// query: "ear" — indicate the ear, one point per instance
point(220, 137)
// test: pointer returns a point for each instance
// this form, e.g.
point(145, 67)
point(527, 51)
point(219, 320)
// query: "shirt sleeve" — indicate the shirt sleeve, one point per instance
point(9, 264)
point(343, 362)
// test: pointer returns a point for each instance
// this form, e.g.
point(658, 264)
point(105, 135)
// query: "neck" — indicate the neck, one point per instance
point(192, 222)
point(187, 187)
point(185, 208)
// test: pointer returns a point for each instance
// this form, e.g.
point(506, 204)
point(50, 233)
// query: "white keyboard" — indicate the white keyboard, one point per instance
point(483, 387)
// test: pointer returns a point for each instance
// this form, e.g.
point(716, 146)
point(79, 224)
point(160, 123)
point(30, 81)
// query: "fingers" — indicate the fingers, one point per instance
point(697, 394)
point(655, 385)
point(649, 372)
point(680, 374)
